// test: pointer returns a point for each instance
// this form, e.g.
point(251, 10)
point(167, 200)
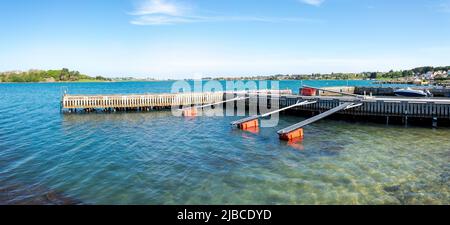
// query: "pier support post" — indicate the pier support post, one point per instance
point(387, 120)
point(434, 122)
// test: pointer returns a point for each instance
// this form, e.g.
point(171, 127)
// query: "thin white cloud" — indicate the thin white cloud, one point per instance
point(166, 12)
point(168, 20)
point(148, 7)
point(313, 2)
point(160, 20)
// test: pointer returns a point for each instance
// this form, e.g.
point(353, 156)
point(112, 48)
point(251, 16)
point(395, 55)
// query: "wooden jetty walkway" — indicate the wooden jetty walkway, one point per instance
point(146, 102)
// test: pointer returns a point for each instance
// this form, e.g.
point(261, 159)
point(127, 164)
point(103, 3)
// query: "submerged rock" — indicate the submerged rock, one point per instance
point(394, 188)
point(56, 198)
point(17, 194)
point(444, 178)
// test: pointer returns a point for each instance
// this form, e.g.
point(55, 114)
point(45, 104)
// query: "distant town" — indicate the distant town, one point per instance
point(419, 76)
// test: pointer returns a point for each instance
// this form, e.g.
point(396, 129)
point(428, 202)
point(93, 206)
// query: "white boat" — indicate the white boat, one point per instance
point(408, 92)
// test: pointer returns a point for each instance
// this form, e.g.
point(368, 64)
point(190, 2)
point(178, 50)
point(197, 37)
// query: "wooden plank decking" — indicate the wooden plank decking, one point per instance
point(155, 100)
point(133, 101)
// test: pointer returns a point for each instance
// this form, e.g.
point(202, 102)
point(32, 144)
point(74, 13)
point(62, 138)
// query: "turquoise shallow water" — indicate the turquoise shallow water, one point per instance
point(155, 158)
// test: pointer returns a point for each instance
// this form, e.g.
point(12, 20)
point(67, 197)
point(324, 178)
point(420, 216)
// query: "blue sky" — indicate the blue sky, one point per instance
point(191, 38)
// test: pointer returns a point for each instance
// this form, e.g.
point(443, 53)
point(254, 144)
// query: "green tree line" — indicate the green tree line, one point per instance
point(409, 73)
point(63, 75)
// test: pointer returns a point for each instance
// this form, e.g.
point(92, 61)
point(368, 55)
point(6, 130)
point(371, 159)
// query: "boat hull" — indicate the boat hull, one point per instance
point(410, 93)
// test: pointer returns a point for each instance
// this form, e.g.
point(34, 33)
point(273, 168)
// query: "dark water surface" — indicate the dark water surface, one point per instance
point(154, 158)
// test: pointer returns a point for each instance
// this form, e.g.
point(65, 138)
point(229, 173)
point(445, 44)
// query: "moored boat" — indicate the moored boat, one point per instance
point(408, 92)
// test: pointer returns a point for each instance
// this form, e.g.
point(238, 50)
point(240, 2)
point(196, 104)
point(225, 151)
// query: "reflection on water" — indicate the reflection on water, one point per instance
point(253, 130)
point(155, 158)
point(296, 143)
point(128, 117)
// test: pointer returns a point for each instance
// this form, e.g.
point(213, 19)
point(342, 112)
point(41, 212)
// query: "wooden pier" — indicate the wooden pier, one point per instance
point(137, 101)
point(436, 109)
point(350, 105)
point(147, 102)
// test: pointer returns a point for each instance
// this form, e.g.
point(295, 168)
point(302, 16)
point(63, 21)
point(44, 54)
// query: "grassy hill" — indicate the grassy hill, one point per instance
point(63, 75)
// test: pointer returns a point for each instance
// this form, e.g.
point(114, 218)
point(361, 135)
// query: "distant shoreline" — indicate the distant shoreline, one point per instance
point(127, 81)
point(418, 74)
point(61, 82)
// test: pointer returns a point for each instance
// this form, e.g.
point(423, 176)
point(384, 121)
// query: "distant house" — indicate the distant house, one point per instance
point(445, 74)
point(440, 74)
point(429, 75)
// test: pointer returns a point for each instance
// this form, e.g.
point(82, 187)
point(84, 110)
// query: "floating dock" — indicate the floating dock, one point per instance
point(379, 91)
point(438, 108)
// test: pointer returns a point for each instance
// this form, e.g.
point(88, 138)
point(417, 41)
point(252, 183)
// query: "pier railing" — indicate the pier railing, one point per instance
point(133, 101)
point(154, 100)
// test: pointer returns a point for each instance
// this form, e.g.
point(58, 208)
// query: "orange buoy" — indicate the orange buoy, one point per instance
point(249, 124)
point(190, 112)
point(296, 134)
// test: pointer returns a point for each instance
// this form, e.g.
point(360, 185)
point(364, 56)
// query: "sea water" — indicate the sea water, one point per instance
point(155, 158)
